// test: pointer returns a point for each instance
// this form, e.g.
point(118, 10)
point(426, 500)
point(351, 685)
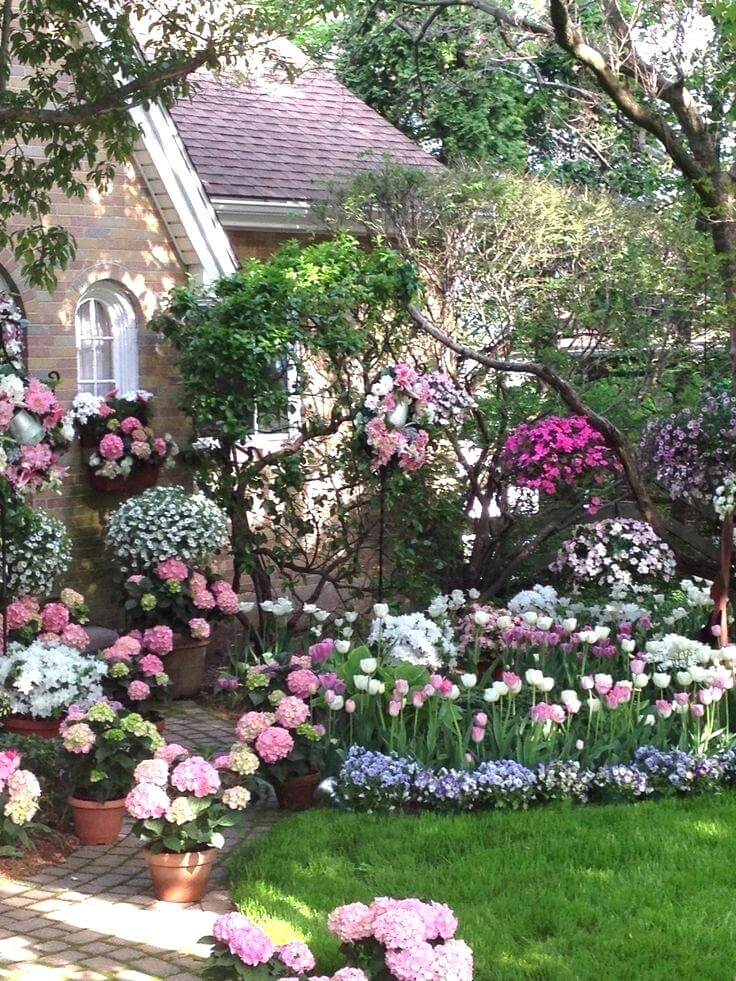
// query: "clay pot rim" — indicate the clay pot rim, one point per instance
point(186, 641)
point(117, 804)
point(177, 858)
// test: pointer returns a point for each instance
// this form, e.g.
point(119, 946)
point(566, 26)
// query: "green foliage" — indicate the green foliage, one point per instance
point(560, 877)
point(84, 66)
point(305, 329)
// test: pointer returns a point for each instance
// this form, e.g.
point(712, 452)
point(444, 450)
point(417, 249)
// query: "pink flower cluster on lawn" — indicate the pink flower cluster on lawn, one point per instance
point(556, 452)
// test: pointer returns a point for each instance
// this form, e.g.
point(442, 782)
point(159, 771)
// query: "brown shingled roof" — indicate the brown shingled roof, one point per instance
point(288, 140)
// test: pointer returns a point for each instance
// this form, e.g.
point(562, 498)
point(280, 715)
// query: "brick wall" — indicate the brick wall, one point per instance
point(120, 236)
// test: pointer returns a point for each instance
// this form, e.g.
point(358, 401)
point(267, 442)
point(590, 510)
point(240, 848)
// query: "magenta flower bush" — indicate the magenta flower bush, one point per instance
point(59, 622)
point(137, 670)
point(402, 939)
point(555, 453)
point(177, 595)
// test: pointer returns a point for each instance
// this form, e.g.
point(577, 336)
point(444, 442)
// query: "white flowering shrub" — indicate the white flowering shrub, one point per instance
point(618, 552)
point(724, 502)
point(540, 599)
point(166, 523)
point(44, 679)
point(39, 552)
point(415, 639)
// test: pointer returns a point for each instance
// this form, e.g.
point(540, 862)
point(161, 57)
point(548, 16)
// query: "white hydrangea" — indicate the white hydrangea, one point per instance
point(165, 523)
point(414, 638)
point(45, 678)
point(675, 651)
point(724, 501)
point(85, 407)
point(540, 599)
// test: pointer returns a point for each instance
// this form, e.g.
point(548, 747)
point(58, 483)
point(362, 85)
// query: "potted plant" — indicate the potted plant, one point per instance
point(43, 680)
point(126, 454)
point(187, 601)
point(287, 746)
point(180, 805)
point(102, 746)
point(19, 797)
point(56, 622)
point(137, 674)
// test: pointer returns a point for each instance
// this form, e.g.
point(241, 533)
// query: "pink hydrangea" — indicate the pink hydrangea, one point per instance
point(251, 945)
point(398, 927)
point(124, 649)
point(9, 762)
point(138, 691)
point(151, 665)
point(252, 724)
point(159, 445)
point(21, 611)
point(146, 801)
point(303, 683)
point(274, 744)
point(128, 425)
point(204, 600)
point(171, 752)
point(413, 963)
point(227, 924)
point(454, 961)
point(350, 974)
point(351, 922)
point(172, 569)
point(111, 447)
point(225, 597)
point(76, 636)
point(297, 957)
point(54, 618)
point(444, 921)
point(152, 771)
point(199, 628)
point(291, 712)
point(159, 640)
point(78, 738)
point(196, 776)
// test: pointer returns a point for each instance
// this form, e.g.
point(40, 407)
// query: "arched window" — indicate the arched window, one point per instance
point(107, 340)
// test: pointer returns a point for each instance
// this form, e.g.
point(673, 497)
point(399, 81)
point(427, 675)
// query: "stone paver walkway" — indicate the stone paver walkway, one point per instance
point(95, 917)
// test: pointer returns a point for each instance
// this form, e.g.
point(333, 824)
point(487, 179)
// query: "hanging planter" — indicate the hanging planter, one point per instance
point(26, 725)
point(134, 483)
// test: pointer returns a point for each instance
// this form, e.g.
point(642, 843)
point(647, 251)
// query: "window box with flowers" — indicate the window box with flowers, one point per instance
point(126, 456)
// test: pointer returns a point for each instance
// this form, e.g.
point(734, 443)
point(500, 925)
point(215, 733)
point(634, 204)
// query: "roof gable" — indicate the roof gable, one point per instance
point(264, 139)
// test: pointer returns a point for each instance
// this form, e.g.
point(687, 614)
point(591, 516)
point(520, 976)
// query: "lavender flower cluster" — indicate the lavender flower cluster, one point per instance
point(372, 781)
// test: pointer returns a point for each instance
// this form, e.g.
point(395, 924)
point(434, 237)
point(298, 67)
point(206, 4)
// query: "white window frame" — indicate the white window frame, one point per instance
point(124, 325)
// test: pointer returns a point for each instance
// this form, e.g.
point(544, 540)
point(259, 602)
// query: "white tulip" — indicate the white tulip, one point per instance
point(469, 680)
point(628, 646)
point(482, 618)
point(380, 611)
point(544, 623)
point(491, 695)
point(594, 705)
point(454, 693)
point(368, 665)
point(569, 624)
point(337, 703)
point(649, 720)
point(547, 684)
point(698, 674)
point(309, 608)
point(602, 632)
point(530, 617)
point(375, 687)
point(660, 679)
point(342, 646)
point(534, 677)
point(641, 680)
point(684, 678)
point(351, 616)
point(246, 607)
point(321, 615)
point(504, 622)
point(361, 682)
point(501, 687)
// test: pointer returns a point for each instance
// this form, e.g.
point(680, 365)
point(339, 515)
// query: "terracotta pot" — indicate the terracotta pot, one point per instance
point(138, 481)
point(180, 878)
point(297, 793)
point(185, 666)
point(97, 824)
point(26, 726)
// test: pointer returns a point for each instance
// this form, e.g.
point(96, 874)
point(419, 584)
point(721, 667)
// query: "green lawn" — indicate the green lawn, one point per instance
point(630, 892)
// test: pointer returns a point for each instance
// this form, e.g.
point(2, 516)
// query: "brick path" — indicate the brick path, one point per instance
point(95, 917)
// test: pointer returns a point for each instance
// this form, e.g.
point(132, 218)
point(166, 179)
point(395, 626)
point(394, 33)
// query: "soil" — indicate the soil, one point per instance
point(46, 850)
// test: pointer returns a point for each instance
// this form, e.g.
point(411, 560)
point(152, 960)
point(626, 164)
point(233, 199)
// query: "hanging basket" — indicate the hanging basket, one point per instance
point(135, 483)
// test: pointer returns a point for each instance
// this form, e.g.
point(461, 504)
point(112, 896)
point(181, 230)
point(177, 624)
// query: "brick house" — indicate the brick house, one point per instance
point(228, 175)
